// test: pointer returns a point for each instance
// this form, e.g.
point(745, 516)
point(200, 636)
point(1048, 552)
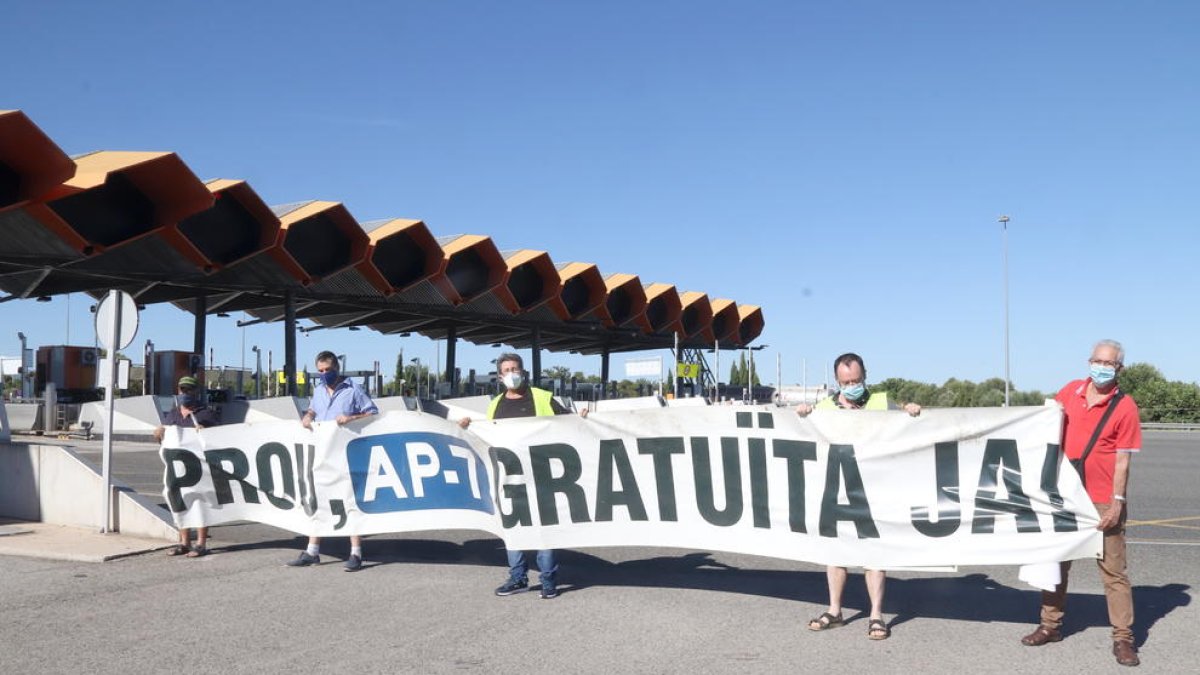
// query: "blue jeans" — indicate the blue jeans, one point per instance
point(518, 566)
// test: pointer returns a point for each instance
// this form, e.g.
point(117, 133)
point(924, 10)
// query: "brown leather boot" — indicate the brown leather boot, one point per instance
point(1041, 636)
point(1125, 653)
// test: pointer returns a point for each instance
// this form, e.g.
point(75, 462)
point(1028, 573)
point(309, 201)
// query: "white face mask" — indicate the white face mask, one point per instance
point(512, 380)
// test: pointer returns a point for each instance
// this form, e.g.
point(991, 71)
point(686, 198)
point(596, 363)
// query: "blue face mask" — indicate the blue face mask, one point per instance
point(1102, 375)
point(329, 377)
point(189, 401)
point(854, 392)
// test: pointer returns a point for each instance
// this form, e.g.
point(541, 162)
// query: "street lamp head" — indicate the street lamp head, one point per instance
point(1003, 220)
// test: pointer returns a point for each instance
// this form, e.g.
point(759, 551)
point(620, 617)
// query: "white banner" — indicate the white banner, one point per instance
point(966, 486)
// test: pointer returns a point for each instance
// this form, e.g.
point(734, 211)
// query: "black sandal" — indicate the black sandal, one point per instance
point(178, 549)
point(878, 630)
point(825, 622)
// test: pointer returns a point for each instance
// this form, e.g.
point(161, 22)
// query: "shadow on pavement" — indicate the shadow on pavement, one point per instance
point(969, 597)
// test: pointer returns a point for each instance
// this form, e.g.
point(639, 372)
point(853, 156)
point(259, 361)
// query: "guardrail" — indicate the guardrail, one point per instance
point(1171, 426)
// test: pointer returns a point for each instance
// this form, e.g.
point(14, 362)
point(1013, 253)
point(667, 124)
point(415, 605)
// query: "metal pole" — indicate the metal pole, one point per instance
point(289, 342)
point(198, 338)
point(535, 359)
point(110, 385)
point(271, 370)
point(717, 369)
point(451, 359)
point(148, 356)
point(26, 367)
point(750, 379)
point(675, 379)
point(604, 372)
point(257, 372)
point(1004, 235)
point(779, 376)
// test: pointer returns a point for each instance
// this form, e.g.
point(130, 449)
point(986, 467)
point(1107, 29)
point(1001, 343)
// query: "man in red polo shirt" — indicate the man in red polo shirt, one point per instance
point(1106, 475)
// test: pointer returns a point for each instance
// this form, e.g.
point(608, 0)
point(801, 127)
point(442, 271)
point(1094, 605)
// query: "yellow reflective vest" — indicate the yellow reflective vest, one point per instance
point(541, 403)
point(877, 401)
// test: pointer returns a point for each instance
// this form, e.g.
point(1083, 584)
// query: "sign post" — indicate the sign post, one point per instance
point(116, 326)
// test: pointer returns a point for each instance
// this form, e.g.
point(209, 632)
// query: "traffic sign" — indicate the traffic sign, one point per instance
point(117, 310)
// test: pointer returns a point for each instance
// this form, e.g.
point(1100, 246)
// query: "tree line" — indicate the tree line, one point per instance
point(1158, 399)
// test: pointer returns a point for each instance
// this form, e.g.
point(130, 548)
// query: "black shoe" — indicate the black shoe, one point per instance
point(549, 591)
point(513, 586)
point(305, 560)
point(353, 563)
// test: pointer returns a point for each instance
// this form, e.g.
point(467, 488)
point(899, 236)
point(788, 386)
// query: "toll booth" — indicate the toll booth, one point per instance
point(169, 366)
point(72, 371)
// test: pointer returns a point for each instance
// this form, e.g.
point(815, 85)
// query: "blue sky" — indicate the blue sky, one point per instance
point(841, 164)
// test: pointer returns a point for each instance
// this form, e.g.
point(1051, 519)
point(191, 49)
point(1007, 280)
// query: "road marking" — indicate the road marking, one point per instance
point(1164, 543)
point(1164, 520)
point(1179, 527)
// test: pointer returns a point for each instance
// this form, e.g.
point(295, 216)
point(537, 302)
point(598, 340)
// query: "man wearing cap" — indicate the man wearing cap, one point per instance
point(335, 399)
point(189, 411)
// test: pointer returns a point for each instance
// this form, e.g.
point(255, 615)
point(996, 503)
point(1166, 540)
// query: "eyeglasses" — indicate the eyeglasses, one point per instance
point(1101, 362)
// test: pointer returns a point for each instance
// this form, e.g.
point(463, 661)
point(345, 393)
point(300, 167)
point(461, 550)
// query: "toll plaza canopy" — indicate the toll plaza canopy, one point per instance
point(143, 223)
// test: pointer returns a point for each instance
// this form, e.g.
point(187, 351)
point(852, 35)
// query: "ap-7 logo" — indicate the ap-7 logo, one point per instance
point(417, 471)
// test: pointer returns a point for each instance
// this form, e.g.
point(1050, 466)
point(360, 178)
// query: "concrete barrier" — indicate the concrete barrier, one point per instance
point(389, 403)
point(134, 416)
point(272, 409)
point(52, 484)
point(23, 417)
point(455, 409)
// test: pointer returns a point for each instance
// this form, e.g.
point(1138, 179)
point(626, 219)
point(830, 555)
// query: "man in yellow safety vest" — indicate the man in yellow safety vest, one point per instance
point(852, 394)
point(522, 400)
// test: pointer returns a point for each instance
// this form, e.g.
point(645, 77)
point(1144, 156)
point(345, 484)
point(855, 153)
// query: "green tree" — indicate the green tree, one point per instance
point(1138, 378)
point(739, 372)
point(1163, 401)
point(626, 389)
point(394, 387)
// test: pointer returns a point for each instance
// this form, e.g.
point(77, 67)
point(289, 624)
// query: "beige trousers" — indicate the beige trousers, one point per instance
point(1116, 586)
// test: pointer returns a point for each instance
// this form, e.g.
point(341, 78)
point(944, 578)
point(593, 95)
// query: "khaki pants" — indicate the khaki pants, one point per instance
point(1116, 585)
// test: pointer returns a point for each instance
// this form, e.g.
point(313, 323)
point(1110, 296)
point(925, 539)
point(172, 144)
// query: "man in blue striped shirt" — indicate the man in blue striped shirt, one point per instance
point(334, 398)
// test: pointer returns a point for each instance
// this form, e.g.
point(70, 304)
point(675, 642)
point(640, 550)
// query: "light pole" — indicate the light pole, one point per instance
point(1004, 235)
point(417, 374)
point(257, 371)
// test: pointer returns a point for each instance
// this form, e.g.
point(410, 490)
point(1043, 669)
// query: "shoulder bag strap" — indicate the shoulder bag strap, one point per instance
point(1112, 405)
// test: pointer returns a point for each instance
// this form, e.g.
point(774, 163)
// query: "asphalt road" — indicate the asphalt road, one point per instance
point(425, 604)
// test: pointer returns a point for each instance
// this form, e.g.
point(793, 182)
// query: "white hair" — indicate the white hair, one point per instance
point(1115, 345)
